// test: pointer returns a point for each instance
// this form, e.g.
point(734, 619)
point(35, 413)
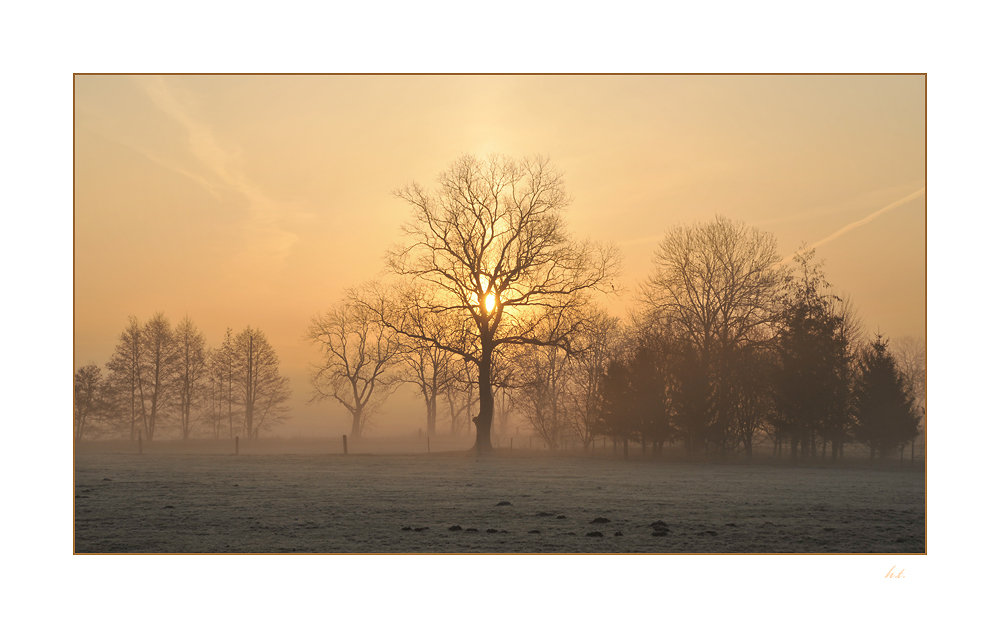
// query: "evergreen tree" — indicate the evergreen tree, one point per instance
point(812, 378)
point(886, 419)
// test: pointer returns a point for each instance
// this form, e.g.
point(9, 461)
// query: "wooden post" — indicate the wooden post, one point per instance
point(512, 445)
point(237, 445)
point(345, 444)
point(140, 444)
point(529, 442)
point(428, 444)
point(911, 450)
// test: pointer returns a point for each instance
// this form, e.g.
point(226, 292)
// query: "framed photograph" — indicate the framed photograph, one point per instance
point(500, 314)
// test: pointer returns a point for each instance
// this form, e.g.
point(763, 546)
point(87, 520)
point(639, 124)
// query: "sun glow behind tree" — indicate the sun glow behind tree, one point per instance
point(494, 226)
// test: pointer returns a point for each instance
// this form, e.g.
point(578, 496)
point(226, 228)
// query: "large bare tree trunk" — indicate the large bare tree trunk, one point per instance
point(432, 415)
point(484, 420)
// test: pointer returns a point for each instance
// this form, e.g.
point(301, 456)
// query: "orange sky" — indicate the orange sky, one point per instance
point(254, 200)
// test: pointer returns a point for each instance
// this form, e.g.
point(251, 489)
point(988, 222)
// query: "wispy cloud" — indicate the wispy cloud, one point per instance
point(218, 170)
point(864, 221)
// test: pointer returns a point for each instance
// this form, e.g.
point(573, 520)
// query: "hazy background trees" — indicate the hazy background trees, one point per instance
point(911, 360)
point(639, 395)
point(597, 343)
point(753, 400)
point(542, 392)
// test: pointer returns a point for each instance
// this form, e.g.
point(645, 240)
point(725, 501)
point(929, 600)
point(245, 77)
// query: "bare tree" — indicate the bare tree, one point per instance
point(259, 386)
point(191, 368)
point(86, 398)
point(214, 406)
point(720, 284)
point(123, 376)
point(223, 381)
point(491, 244)
point(157, 365)
point(358, 356)
point(224, 367)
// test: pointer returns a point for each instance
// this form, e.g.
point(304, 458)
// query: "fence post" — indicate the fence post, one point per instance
point(345, 444)
point(237, 445)
point(140, 444)
point(428, 444)
point(512, 445)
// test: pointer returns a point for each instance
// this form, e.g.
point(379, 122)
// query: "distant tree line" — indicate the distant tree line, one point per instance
point(162, 378)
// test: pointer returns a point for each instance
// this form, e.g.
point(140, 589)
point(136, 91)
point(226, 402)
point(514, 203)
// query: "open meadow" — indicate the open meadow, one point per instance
point(308, 497)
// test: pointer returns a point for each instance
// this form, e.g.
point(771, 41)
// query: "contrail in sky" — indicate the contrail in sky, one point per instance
point(867, 219)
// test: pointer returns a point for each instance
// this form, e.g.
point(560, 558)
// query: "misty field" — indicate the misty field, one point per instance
point(207, 500)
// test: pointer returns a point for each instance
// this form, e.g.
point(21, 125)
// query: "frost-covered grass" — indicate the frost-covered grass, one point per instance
point(322, 502)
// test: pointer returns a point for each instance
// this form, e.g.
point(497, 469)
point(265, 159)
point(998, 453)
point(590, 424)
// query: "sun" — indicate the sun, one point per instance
point(491, 301)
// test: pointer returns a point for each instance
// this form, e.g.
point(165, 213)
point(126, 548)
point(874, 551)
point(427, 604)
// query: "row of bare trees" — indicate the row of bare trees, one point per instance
point(726, 347)
point(162, 377)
